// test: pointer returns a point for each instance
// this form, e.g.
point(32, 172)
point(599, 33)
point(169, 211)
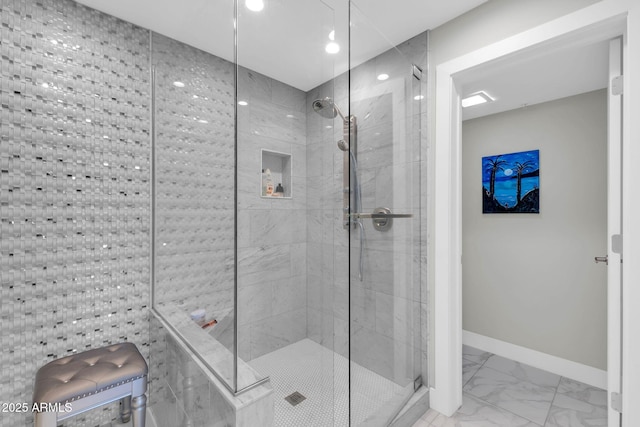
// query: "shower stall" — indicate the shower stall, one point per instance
point(254, 168)
point(288, 232)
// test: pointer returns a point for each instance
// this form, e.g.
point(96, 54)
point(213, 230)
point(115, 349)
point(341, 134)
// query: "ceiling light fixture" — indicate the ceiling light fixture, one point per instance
point(254, 5)
point(476, 99)
point(243, 103)
point(382, 77)
point(332, 35)
point(332, 48)
point(178, 84)
point(418, 97)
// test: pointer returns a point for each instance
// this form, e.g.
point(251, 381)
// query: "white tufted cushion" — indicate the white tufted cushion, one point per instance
point(83, 374)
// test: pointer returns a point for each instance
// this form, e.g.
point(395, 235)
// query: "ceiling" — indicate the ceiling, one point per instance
point(538, 78)
point(286, 40)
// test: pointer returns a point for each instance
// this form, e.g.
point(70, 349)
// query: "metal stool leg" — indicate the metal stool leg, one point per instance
point(139, 405)
point(125, 409)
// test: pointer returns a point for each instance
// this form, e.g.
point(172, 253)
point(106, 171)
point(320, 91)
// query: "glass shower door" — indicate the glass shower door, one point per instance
point(384, 230)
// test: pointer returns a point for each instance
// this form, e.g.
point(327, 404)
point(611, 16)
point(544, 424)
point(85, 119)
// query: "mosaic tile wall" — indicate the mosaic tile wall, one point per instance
point(194, 122)
point(74, 189)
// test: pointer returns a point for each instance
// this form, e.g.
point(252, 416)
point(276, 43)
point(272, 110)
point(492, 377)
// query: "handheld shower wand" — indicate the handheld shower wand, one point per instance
point(327, 108)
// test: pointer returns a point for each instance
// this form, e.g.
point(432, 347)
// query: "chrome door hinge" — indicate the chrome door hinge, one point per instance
point(616, 244)
point(417, 383)
point(417, 72)
point(617, 85)
point(616, 402)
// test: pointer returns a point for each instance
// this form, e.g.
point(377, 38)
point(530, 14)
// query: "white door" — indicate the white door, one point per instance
point(614, 231)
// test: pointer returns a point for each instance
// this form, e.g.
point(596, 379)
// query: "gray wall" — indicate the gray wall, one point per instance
point(74, 199)
point(530, 279)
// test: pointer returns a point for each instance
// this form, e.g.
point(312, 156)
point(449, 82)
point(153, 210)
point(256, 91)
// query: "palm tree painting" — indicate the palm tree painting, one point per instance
point(511, 183)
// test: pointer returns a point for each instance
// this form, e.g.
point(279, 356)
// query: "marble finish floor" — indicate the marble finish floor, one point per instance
point(499, 392)
point(322, 377)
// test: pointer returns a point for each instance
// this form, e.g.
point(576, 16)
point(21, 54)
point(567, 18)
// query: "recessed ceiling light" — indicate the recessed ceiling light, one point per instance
point(332, 47)
point(418, 97)
point(178, 84)
point(476, 99)
point(254, 5)
point(290, 116)
point(383, 77)
point(243, 103)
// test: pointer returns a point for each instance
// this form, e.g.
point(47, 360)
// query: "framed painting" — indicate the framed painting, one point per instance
point(511, 183)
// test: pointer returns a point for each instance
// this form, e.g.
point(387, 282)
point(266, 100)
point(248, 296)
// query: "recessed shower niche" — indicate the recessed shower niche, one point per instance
point(276, 175)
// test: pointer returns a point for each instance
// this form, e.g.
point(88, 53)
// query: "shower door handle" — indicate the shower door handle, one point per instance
point(382, 218)
point(380, 215)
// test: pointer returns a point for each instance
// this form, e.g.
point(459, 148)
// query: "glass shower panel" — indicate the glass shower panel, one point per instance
point(384, 280)
point(193, 186)
point(288, 202)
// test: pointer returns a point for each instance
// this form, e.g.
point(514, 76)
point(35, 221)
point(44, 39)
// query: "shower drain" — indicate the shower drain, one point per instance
point(295, 398)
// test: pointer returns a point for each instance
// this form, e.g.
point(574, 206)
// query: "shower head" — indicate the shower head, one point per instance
point(327, 108)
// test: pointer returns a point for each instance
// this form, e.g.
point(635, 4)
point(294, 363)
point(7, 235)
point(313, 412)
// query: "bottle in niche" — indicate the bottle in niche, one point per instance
point(279, 191)
point(263, 184)
point(269, 183)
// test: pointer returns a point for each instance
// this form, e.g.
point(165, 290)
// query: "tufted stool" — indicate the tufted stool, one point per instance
point(74, 384)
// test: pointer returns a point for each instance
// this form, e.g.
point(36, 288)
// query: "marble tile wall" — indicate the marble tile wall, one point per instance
point(388, 307)
point(74, 200)
point(272, 237)
point(183, 393)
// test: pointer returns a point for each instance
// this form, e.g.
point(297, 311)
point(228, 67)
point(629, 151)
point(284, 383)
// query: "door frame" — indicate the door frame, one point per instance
point(601, 21)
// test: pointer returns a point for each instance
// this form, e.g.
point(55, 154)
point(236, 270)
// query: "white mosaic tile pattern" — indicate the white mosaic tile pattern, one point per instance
point(74, 189)
point(194, 177)
point(322, 377)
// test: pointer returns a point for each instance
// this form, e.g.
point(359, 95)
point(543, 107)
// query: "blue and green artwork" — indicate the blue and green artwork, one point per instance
point(511, 183)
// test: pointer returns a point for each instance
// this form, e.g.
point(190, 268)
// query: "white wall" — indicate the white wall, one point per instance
point(530, 279)
point(493, 21)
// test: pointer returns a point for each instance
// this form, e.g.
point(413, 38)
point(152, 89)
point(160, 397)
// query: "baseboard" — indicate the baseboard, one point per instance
point(563, 367)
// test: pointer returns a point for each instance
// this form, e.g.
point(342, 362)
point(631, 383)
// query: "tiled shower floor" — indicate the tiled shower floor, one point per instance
point(502, 393)
point(321, 376)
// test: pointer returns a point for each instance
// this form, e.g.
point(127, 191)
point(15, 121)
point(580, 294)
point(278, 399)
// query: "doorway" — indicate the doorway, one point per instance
point(532, 295)
point(446, 394)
